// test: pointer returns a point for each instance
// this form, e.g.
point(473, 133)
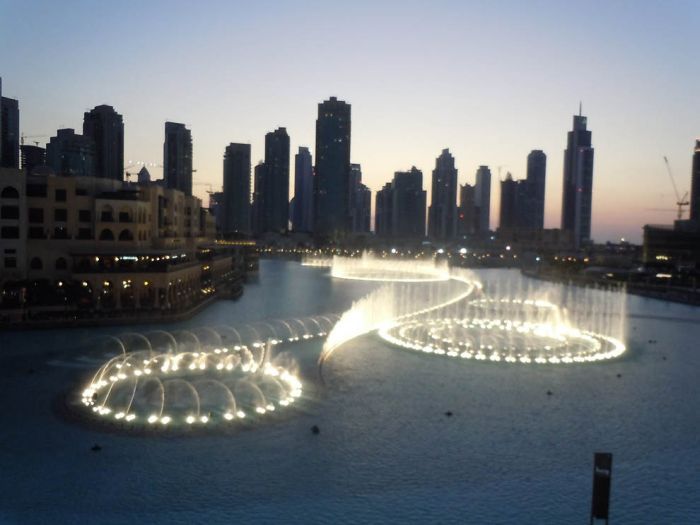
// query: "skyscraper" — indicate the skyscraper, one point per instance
point(106, 128)
point(331, 180)
point(70, 154)
point(442, 216)
point(360, 201)
point(509, 204)
point(236, 198)
point(9, 136)
point(536, 177)
point(32, 157)
point(302, 216)
point(695, 185)
point(177, 157)
point(408, 204)
point(258, 212)
point(383, 211)
point(578, 182)
point(482, 199)
point(467, 211)
point(272, 185)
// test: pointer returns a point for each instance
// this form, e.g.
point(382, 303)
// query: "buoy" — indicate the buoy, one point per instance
point(315, 429)
point(448, 413)
point(96, 448)
point(619, 375)
point(549, 392)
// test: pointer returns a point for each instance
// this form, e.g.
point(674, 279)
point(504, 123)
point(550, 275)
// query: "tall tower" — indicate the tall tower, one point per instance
point(578, 182)
point(482, 199)
point(467, 216)
point(442, 216)
point(536, 175)
point(70, 154)
point(695, 185)
point(509, 204)
point(302, 216)
point(177, 157)
point(236, 199)
point(275, 182)
point(408, 204)
point(9, 136)
point(106, 128)
point(331, 180)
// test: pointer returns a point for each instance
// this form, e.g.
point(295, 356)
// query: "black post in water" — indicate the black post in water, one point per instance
point(602, 474)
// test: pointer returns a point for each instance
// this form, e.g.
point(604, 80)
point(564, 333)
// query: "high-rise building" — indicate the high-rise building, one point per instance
point(695, 185)
point(1, 123)
point(467, 211)
point(332, 174)
point(536, 177)
point(32, 157)
point(408, 204)
point(143, 176)
point(177, 157)
point(236, 203)
point(442, 216)
point(258, 210)
point(271, 199)
point(578, 182)
point(9, 136)
point(360, 201)
point(106, 128)
point(383, 211)
point(509, 203)
point(302, 215)
point(482, 200)
point(70, 154)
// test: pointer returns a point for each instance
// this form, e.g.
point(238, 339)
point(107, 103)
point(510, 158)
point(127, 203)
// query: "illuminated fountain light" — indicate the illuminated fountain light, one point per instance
point(220, 388)
point(371, 268)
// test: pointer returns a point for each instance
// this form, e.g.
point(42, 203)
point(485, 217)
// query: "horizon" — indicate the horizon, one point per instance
point(526, 101)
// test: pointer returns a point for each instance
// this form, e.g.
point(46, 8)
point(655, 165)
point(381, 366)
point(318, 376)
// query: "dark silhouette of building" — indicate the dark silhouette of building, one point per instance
point(303, 210)
point(236, 203)
point(259, 197)
point(536, 178)
point(143, 176)
point(9, 136)
point(442, 216)
point(383, 211)
point(695, 186)
point(332, 174)
point(509, 203)
point(32, 157)
point(400, 212)
point(467, 211)
point(106, 128)
point(482, 200)
point(70, 154)
point(360, 201)
point(578, 182)
point(271, 198)
point(177, 157)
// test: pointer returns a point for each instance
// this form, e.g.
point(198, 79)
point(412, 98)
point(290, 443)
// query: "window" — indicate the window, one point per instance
point(36, 232)
point(84, 233)
point(60, 214)
point(9, 232)
point(9, 192)
point(61, 195)
point(124, 216)
point(61, 263)
point(81, 191)
point(36, 264)
point(9, 212)
point(107, 214)
point(36, 215)
point(36, 190)
point(60, 233)
point(10, 262)
point(106, 235)
point(126, 235)
point(84, 215)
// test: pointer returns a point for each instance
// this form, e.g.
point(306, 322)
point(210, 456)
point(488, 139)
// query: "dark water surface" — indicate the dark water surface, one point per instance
point(386, 451)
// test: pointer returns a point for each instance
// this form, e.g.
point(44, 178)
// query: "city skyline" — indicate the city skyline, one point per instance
point(496, 124)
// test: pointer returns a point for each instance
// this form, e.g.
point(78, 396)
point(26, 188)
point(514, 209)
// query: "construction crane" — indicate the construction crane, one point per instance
point(680, 201)
point(36, 142)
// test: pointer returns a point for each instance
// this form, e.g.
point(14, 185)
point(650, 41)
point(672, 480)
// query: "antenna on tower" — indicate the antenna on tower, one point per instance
point(580, 108)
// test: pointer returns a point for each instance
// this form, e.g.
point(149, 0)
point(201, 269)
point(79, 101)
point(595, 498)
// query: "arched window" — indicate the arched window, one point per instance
point(124, 214)
point(9, 192)
point(61, 263)
point(126, 235)
point(107, 213)
point(106, 235)
point(36, 264)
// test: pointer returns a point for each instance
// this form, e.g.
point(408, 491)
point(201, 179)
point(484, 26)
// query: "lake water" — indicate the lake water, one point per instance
point(386, 451)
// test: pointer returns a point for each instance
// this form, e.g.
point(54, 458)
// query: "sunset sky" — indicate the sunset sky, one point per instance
point(490, 80)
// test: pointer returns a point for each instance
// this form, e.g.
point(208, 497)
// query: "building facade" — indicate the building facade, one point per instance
point(536, 181)
point(273, 203)
point(332, 173)
point(106, 129)
point(71, 154)
point(302, 214)
point(383, 211)
point(467, 211)
point(442, 216)
point(482, 200)
point(360, 202)
point(578, 183)
point(9, 136)
point(408, 205)
point(236, 198)
point(695, 186)
point(177, 157)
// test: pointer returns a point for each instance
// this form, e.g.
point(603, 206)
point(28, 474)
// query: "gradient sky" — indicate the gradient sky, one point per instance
point(491, 80)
